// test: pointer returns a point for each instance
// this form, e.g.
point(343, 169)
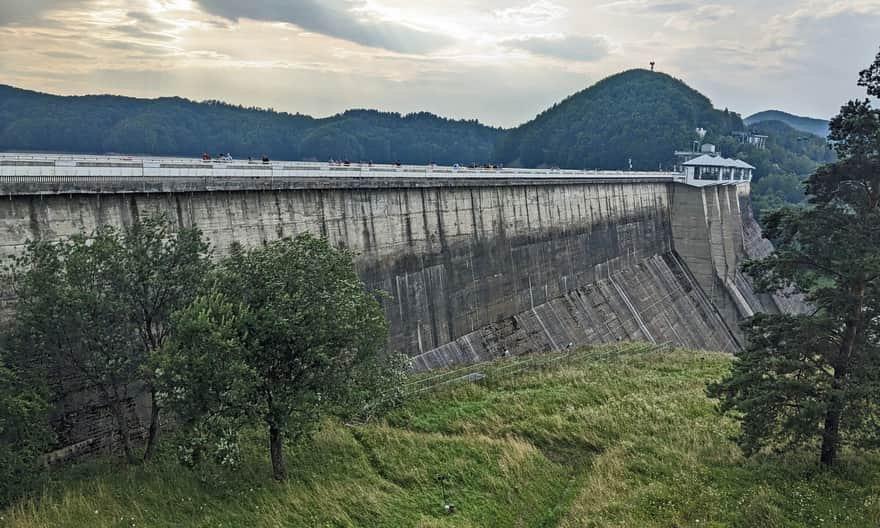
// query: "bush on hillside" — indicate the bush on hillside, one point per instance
point(25, 434)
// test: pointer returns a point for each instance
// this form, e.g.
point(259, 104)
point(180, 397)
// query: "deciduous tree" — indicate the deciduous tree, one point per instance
point(98, 304)
point(204, 377)
point(69, 303)
point(163, 271)
point(290, 335)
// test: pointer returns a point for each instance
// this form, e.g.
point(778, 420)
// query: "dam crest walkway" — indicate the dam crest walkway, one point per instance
point(29, 174)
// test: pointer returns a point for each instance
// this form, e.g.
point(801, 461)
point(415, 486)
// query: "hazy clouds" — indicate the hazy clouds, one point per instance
point(567, 47)
point(342, 19)
point(499, 61)
point(20, 11)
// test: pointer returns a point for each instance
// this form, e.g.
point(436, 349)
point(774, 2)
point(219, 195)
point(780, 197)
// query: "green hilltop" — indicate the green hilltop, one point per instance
point(638, 114)
point(601, 437)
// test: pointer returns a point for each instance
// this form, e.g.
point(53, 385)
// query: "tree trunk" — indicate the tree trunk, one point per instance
point(279, 472)
point(118, 410)
point(836, 403)
point(831, 430)
point(153, 434)
point(831, 435)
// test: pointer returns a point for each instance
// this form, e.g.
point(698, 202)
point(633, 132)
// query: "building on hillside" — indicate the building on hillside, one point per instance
point(750, 138)
point(714, 170)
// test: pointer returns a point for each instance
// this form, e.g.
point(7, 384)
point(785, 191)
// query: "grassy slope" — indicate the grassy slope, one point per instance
point(623, 441)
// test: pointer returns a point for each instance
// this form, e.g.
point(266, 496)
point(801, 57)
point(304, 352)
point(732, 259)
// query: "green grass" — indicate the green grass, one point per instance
point(628, 440)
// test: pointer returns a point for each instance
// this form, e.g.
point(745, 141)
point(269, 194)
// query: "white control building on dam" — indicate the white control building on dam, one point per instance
point(477, 263)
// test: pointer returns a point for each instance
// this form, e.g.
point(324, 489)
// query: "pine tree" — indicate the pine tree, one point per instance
point(815, 378)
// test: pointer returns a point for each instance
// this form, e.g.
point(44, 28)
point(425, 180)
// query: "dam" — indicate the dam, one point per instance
point(477, 263)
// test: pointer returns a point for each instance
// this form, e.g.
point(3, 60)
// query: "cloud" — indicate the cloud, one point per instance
point(65, 55)
point(700, 16)
point(343, 19)
point(818, 31)
point(145, 49)
point(540, 12)
point(567, 47)
point(137, 32)
point(147, 20)
point(649, 6)
point(673, 7)
point(22, 11)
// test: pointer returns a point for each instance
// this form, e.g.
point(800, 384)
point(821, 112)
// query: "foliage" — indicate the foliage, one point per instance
point(638, 115)
point(162, 271)
point(777, 382)
point(297, 335)
point(98, 305)
point(34, 121)
point(203, 376)
point(24, 423)
point(791, 150)
point(817, 376)
point(789, 158)
point(68, 302)
point(777, 190)
point(629, 440)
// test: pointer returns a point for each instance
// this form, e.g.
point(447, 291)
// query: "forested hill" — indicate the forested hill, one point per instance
point(780, 169)
point(174, 126)
point(810, 125)
point(638, 114)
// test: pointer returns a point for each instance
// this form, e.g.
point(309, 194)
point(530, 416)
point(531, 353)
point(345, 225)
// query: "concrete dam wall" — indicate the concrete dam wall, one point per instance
point(474, 270)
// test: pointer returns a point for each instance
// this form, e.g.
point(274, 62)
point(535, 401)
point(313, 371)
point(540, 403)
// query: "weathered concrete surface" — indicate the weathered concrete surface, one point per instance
point(654, 300)
point(471, 271)
point(714, 232)
point(453, 259)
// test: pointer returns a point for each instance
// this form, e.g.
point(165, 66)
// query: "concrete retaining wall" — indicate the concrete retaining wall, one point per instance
point(472, 272)
point(714, 232)
point(656, 300)
point(453, 260)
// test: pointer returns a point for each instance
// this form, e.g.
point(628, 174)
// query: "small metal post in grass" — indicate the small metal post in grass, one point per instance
point(448, 507)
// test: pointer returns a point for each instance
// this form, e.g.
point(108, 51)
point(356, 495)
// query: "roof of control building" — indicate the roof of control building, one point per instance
point(717, 161)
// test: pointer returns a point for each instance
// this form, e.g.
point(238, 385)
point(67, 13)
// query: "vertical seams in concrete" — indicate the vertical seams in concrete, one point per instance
point(519, 246)
point(429, 238)
point(442, 298)
point(699, 239)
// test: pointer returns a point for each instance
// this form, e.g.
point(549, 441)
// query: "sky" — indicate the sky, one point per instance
point(499, 62)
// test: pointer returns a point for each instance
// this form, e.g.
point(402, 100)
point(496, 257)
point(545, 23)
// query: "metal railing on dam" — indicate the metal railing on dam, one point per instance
point(64, 173)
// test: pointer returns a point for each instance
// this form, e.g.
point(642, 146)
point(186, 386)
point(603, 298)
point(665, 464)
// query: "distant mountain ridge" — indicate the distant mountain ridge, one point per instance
point(638, 117)
point(174, 126)
point(810, 125)
point(635, 119)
